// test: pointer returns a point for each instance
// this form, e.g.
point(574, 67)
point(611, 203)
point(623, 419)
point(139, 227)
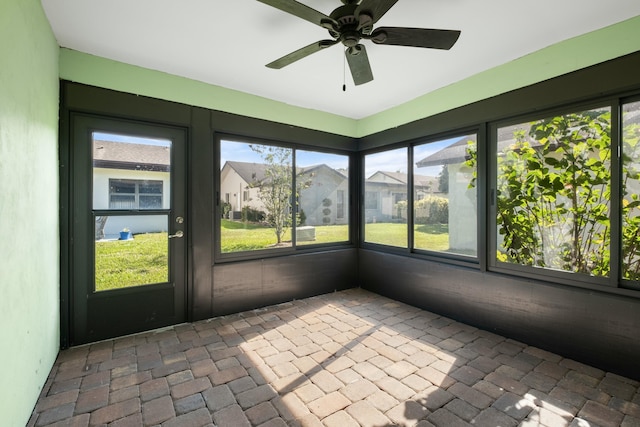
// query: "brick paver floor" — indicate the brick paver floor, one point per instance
point(350, 358)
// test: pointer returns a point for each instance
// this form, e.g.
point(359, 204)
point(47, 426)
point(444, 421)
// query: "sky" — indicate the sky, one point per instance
point(396, 160)
point(103, 136)
point(388, 161)
point(241, 152)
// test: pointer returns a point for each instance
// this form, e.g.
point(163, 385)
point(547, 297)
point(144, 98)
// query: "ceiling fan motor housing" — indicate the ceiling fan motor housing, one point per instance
point(349, 30)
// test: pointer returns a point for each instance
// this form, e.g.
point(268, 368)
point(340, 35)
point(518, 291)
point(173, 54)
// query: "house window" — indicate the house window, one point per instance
point(445, 205)
point(371, 200)
point(553, 185)
point(385, 197)
point(281, 209)
point(135, 194)
point(340, 204)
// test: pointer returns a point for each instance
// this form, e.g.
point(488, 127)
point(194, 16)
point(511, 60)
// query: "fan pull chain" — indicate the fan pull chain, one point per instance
point(344, 71)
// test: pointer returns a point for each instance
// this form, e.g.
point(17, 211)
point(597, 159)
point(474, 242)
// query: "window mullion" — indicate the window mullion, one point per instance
point(615, 258)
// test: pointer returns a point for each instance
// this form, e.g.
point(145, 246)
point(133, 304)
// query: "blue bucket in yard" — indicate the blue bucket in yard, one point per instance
point(126, 235)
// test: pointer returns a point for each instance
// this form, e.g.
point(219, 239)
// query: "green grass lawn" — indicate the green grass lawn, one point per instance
point(143, 260)
point(125, 263)
point(239, 236)
point(433, 237)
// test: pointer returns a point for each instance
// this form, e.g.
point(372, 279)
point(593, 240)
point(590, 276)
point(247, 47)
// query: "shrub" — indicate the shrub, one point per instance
point(226, 208)
point(252, 215)
point(432, 210)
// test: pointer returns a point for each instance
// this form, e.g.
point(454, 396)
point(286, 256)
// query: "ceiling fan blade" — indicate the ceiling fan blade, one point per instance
point(303, 11)
point(359, 64)
point(301, 53)
point(375, 8)
point(417, 37)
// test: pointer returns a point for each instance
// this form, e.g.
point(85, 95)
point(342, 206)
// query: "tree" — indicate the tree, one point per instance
point(276, 186)
point(443, 179)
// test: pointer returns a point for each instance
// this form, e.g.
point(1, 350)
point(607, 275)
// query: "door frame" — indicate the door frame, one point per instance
point(137, 303)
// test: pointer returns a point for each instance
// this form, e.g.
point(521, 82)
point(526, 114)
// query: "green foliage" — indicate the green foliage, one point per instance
point(432, 210)
point(250, 214)
point(631, 203)
point(443, 179)
point(276, 188)
point(225, 208)
point(302, 217)
point(553, 194)
point(429, 210)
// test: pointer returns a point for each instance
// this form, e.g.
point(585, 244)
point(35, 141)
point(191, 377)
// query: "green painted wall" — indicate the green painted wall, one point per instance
point(101, 72)
point(29, 254)
point(571, 55)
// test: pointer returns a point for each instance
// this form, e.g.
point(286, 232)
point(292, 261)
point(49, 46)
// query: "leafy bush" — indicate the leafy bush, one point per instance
point(252, 215)
point(430, 210)
point(225, 209)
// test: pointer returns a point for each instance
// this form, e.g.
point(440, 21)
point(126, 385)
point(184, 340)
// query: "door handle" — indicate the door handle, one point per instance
point(179, 234)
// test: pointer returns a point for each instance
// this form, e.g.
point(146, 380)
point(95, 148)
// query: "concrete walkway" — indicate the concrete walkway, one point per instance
point(350, 358)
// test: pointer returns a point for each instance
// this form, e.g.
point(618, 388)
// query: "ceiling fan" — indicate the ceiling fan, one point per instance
point(353, 22)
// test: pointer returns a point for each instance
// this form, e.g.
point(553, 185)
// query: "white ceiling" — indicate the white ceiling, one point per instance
point(227, 43)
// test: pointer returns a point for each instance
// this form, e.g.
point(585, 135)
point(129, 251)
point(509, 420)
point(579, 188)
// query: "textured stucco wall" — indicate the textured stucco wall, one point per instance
point(29, 254)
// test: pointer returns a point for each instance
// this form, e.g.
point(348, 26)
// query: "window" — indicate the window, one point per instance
point(321, 180)
point(371, 202)
point(340, 207)
point(273, 208)
point(553, 189)
point(445, 205)
point(385, 201)
point(135, 194)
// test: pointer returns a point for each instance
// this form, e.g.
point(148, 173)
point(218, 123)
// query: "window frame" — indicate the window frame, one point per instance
point(476, 262)
point(546, 274)
point(480, 184)
point(294, 248)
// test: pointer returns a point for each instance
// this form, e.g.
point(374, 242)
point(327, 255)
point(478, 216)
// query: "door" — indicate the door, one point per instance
point(128, 227)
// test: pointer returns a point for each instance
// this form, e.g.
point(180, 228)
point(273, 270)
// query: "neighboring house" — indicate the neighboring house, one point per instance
point(325, 200)
point(240, 187)
point(383, 190)
point(129, 176)
point(462, 199)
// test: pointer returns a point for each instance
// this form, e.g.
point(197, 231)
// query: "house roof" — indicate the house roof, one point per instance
point(124, 155)
point(402, 178)
point(457, 152)
point(251, 173)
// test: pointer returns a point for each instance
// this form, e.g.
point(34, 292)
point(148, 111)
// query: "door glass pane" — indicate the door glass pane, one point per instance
point(130, 250)
point(385, 198)
point(445, 205)
point(322, 182)
point(130, 173)
point(553, 193)
point(631, 191)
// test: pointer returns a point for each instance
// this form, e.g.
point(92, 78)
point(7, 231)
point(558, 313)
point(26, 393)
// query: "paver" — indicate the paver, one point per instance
point(367, 415)
point(350, 358)
point(328, 404)
point(158, 410)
